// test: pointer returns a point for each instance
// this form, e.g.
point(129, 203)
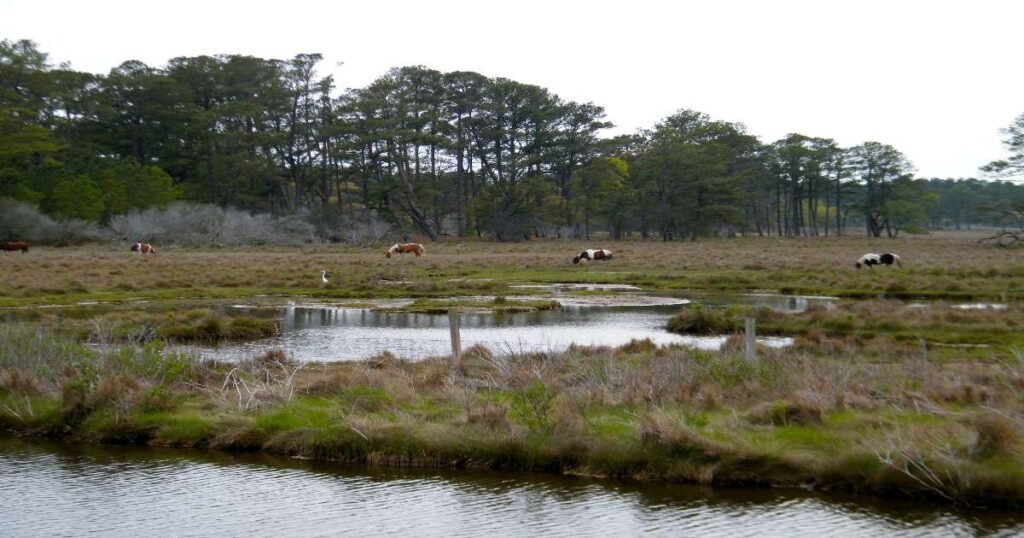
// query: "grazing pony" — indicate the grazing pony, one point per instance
point(143, 248)
point(402, 248)
point(871, 258)
point(592, 254)
point(11, 246)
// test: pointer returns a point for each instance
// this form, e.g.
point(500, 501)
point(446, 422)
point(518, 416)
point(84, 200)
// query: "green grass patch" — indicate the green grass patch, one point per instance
point(362, 398)
point(300, 413)
point(184, 430)
point(20, 411)
point(612, 423)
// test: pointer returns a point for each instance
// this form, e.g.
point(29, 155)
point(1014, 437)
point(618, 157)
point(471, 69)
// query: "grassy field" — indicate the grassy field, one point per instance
point(942, 266)
point(876, 396)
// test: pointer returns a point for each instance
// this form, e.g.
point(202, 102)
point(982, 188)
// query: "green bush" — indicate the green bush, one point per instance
point(532, 406)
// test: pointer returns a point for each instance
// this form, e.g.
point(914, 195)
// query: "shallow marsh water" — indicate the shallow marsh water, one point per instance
point(327, 333)
point(49, 489)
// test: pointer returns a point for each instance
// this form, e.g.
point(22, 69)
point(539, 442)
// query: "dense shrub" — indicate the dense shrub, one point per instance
point(20, 221)
point(198, 224)
point(365, 230)
point(201, 224)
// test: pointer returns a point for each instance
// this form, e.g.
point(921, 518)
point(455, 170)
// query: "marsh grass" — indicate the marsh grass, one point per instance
point(906, 426)
point(206, 326)
point(937, 266)
point(868, 400)
point(110, 324)
point(698, 319)
point(874, 327)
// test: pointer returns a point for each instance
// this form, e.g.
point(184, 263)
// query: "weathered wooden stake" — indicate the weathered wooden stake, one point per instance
point(453, 324)
point(748, 338)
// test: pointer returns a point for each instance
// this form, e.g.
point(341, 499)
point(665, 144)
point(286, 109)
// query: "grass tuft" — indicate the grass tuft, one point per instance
point(698, 319)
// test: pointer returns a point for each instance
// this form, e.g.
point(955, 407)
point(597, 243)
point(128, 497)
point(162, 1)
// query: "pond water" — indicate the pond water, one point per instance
point(775, 301)
point(980, 306)
point(324, 333)
point(54, 490)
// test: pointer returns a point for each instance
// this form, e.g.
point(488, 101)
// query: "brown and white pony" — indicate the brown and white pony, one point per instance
point(402, 248)
point(143, 248)
point(11, 246)
point(592, 254)
point(871, 259)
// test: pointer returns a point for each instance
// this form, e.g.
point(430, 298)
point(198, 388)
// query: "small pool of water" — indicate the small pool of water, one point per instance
point(613, 316)
point(323, 333)
point(775, 301)
point(562, 287)
point(980, 306)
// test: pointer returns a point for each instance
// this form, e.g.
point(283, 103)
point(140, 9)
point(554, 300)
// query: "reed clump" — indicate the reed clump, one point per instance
point(17, 380)
point(698, 319)
point(998, 435)
point(210, 327)
point(797, 411)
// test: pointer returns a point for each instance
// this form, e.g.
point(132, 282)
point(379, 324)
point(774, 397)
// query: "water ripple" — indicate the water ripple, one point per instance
point(48, 490)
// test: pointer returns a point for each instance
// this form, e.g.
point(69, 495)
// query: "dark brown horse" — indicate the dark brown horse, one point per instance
point(402, 248)
point(11, 246)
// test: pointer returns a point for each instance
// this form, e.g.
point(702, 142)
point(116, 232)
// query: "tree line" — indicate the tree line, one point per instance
point(436, 153)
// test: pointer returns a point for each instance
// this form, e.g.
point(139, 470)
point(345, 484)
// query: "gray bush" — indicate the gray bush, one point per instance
point(20, 221)
point(366, 230)
point(199, 224)
point(193, 224)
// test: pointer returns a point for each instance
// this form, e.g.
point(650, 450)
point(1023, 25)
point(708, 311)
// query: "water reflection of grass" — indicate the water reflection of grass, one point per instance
point(496, 304)
point(904, 425)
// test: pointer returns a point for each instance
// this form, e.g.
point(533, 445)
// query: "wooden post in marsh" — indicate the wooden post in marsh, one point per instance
point(748, 339)
point(453, 324)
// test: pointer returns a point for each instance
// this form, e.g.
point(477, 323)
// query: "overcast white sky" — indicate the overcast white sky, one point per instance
point(935, 79)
